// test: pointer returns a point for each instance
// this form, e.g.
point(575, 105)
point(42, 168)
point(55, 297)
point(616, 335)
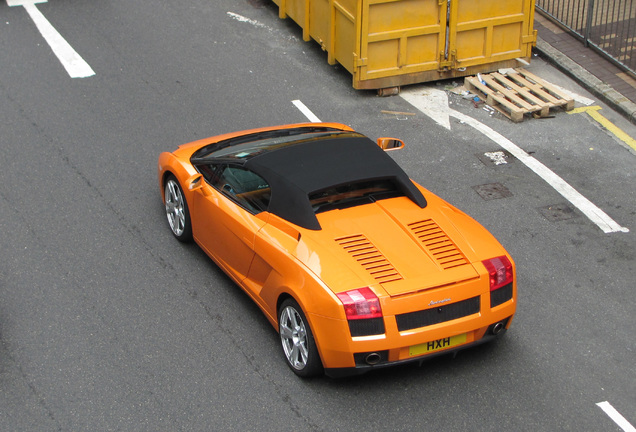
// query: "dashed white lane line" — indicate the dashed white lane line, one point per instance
point(418, 98)
point(306, 111)
point(616, 416)
point(70, 59)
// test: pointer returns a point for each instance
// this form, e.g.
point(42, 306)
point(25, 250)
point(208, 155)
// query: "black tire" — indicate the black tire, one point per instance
point(297, 340)
point(177, 211)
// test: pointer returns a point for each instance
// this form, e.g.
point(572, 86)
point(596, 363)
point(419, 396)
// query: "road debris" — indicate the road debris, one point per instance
point(397, 113)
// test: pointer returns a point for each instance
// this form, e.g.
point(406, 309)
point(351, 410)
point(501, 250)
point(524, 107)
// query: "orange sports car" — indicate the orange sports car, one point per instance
point(356, 266)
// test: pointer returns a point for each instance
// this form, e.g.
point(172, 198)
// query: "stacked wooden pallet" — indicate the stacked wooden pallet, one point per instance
point(519, 92)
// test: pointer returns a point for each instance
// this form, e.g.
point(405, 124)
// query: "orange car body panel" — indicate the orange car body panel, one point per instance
point(271, 258)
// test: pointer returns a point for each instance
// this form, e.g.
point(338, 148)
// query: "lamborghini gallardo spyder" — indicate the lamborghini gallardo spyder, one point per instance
point(354, 264)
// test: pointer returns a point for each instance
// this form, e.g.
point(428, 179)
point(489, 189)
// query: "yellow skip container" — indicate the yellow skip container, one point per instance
point(389, 43)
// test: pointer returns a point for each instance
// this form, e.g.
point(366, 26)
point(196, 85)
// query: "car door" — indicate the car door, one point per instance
point(224, 218)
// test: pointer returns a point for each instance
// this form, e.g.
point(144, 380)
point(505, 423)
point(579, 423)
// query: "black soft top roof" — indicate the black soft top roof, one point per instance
point(302, 166)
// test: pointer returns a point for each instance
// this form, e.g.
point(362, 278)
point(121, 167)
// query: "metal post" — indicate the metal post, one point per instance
point(588, 25)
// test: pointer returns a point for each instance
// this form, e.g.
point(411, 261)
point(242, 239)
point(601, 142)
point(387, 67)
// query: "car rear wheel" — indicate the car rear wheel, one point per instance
point(297, 340)
point(177, 210)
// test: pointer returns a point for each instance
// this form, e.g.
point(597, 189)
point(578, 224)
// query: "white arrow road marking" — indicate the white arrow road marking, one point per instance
point(432, 102)
point(595, 214)
point(72, 62)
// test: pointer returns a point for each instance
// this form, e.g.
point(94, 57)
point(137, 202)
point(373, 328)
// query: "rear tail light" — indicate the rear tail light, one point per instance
point(361, 303)
point(499, 271)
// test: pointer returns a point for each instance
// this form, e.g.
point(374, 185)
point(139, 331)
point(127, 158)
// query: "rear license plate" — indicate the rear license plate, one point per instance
point(437, 345)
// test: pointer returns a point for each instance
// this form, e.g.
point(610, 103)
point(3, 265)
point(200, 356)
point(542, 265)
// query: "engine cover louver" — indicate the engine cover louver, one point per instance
point(441, 248)
point(369, 257)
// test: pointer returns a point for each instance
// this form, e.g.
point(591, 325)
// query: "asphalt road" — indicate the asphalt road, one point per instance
point(108, 323)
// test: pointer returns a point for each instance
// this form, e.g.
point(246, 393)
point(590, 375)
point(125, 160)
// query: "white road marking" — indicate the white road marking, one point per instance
point(71, 60)
point(306, 111)
point(430, 101)
point(595, 214)
point(577, 97)
point(258, 24)
point(497, 157)
point(616, 416)
point(241, 18)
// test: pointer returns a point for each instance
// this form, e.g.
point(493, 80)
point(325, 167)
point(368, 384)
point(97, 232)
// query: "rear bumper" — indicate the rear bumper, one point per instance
point(423, 331)
point(361, 368)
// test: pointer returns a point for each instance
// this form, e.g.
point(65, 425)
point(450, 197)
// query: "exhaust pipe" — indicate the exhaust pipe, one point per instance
point(497, 328)
point(373, 359)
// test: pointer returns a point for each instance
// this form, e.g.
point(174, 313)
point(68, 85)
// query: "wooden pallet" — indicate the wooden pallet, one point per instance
point(519, 92)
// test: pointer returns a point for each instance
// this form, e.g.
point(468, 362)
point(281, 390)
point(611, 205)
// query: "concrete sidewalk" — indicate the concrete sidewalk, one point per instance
point(593, 71)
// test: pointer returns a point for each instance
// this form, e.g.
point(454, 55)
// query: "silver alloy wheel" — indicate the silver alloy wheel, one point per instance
point(293, 335)
point(174, 207)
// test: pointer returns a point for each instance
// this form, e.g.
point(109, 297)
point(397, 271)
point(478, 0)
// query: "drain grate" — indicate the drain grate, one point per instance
point(492, 191)
point(558, 212)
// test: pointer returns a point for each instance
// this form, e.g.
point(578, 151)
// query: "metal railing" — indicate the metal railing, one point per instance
point(609, 26)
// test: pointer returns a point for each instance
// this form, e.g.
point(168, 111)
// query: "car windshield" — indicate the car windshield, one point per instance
point(247, 146)
point(353, 194)
point(253, 148)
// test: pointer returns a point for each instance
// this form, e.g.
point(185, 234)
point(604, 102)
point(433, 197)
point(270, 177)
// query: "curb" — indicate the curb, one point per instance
point(597, 87)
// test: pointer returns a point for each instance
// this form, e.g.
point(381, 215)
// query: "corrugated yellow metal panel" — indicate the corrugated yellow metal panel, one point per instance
point(296, 10)
point(485, 31)
point(344, 35)
point(320, 21)
point(401, 37)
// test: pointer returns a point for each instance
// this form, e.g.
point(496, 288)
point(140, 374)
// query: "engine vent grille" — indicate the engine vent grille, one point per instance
point(369, 257)
point(438, 244)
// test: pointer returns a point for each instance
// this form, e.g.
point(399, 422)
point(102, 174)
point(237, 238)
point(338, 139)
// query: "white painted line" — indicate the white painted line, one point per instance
point(577, 97)
point(595, 214)
point(616, 416)
point(241, 18)
point(72, 62)
point(12, 3)
point(306, 111)
point(258, 24)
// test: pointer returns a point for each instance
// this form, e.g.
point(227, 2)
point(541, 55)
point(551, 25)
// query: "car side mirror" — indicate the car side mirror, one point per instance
point(195, 182)
point(388, 144)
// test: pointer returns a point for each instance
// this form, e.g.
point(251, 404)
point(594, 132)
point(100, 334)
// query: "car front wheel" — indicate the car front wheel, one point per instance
point(177, 210)
point(297, 340)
